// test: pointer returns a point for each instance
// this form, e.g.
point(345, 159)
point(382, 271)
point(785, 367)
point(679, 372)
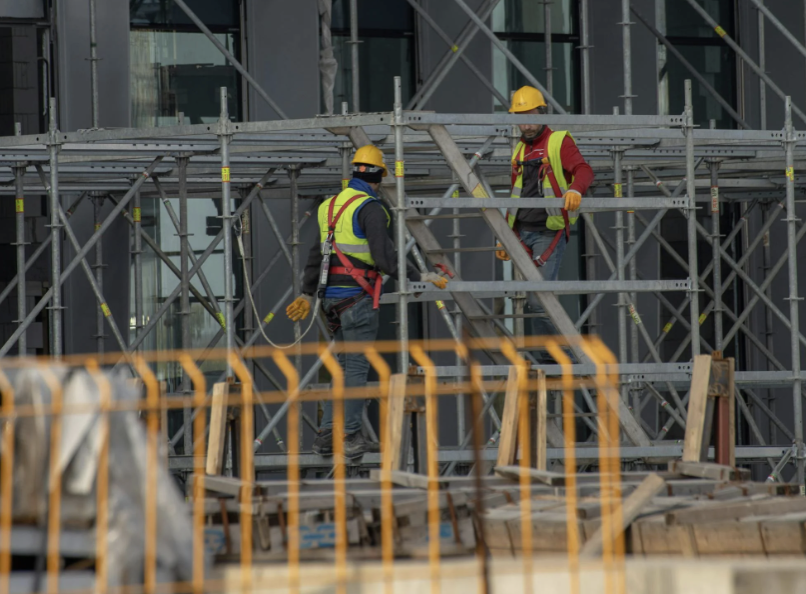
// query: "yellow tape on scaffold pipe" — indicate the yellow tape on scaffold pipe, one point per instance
point(136, 214)
point(400, 168)
point(617, 190)
point(105, 309)
point(268, 318)
point(225, 175)
point(19, 205)
point(221, 320)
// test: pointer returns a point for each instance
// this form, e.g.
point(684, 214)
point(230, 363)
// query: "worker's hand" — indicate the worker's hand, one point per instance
point(572, 200)
point(440, 282)
point(502, 253)
point(299, 308)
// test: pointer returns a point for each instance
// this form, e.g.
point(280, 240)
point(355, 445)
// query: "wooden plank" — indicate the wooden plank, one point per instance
point(218, 429)
point(396, 413)
point(508, 443)
point(709, 470)
point(553, 479)
point(649, 488)
point(784, 535)
point(541, 461)
point(717, 512)
point(407, 479)
point(696, 414)
point(728, 538)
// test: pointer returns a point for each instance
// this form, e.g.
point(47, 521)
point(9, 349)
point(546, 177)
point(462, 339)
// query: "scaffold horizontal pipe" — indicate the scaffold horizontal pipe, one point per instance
point(588, 204)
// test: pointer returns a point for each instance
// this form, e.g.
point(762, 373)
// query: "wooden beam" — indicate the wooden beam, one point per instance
point(697, 405)
point(395, 410)
point(649, 488)
point(508, 443)
point(553, 479)
point(541, 459)
point(218, 428)
point(709, 470)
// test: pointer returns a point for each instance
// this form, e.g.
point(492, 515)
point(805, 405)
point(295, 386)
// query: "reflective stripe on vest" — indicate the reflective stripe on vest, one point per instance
point(555, 220)
point(344, 236)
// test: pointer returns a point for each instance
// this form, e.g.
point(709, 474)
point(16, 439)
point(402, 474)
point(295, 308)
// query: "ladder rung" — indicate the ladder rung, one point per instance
point(455, 250)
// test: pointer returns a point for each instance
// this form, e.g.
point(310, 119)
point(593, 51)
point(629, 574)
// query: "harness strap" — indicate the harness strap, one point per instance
point(558, 193)
point(357, 274)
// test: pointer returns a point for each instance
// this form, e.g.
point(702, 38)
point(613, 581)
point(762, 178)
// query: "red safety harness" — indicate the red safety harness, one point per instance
point(541, 260)
point(362, 276)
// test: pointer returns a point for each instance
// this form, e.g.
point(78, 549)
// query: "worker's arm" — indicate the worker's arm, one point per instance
point(575, 165)
point(310, 277)
point(372, 219)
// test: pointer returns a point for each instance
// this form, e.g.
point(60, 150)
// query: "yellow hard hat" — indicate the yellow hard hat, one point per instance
point(370, 155)
point(526, 99)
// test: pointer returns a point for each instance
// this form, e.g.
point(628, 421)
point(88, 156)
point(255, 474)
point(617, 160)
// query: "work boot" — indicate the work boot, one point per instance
point(323, 444)
point(355, 445)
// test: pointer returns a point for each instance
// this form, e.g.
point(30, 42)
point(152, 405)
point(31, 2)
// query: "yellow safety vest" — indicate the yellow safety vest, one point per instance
point(345, 236)
point(555, 220)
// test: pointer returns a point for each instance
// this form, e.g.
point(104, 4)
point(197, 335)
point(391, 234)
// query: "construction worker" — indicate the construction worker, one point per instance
point(545, 164)
point(354, 231)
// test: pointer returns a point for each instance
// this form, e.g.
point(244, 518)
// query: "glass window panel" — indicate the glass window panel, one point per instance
point(396, 15)
point(526, 16)
point(683, 21)
point(213, 13)
point(533, 56)
point(174, 72)
point(716, 64)
point(380, 60)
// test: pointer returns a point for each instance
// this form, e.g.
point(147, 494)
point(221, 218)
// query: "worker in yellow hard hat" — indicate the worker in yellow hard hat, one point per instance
point(545, 164)
point(344, 268)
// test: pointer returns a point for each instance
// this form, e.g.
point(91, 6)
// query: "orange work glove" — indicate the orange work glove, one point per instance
point(299, 308)
point(439, 281)
point(502, 253)
point(572, 200)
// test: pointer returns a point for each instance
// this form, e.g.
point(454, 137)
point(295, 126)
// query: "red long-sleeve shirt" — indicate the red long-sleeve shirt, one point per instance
point(574, 166)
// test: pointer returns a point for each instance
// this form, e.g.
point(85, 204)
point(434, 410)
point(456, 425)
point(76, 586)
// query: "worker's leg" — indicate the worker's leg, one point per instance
point(359, 323)
point(539, 242)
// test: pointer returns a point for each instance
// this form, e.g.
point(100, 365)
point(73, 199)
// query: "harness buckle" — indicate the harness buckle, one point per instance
point(539, 261)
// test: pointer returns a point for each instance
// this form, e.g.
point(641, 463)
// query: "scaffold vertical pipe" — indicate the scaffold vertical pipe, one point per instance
point(635, 355)
point(94, 66)
point(768, 323)
point(762, 63)
point(622, 317)
point(584, 26)
point(627, 55)
point(184, 297)
point(97, 205)
point(137, 252)
point(457, 319)
point(293, 177)
point(794, 300)
point(356, 79)
point(400, 235)
point(547, 42)
point(716, 241)
point(224, 136)
point(693, 268)
point(661, 54)
point(19, 178)
point(55, 244)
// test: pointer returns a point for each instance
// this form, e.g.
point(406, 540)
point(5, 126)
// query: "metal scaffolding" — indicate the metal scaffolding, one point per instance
point(457, 167)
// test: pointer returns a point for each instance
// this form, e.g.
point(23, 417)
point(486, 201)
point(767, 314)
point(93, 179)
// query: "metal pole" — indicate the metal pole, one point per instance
point(717, 259)
point(184, 297)
point(768, 329)
point(762, 63)
point(243, 72)
point(93, 66)
point(627, 55)
point(19, 175)
point(470, 65)
point(617, 192)
point(97, 204)
point(138, 268)
point(356, 78)
point(547, 43)
point(55, 245)
point(449, 59)
point(585, 51)
point(400, 236)
point(763, 10)
point(694, 72)
point(792, 246)
point(224, 136)
point(515, 62)
point(742, 54)
point(633, 268)
point(660, 52)
point(694, 303)
point(293, 177)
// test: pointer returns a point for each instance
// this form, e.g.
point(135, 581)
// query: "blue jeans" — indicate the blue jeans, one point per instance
point(538, 242)
point(358, 323)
